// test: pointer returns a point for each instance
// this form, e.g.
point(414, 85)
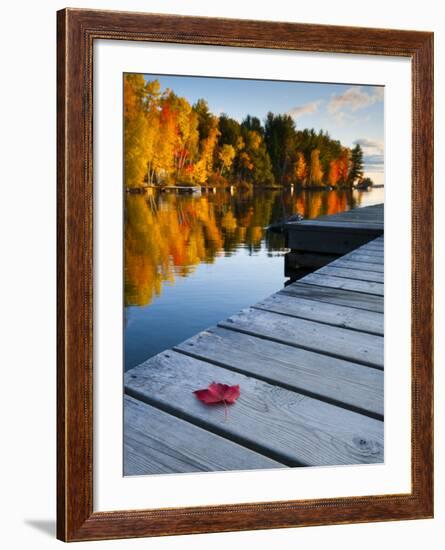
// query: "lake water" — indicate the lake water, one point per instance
point(191, 261)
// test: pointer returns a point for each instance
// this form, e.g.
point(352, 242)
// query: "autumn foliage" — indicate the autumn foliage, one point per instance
point(169, 141)
point(219, 393)
point(167, 235)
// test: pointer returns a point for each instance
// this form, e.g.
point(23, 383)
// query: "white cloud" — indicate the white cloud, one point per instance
point(373, 153)
point(370, 146)
point(306, 109)
point(354, 99)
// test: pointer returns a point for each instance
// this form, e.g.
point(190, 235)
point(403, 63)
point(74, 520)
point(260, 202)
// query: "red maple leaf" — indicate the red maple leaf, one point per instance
point(218, 393)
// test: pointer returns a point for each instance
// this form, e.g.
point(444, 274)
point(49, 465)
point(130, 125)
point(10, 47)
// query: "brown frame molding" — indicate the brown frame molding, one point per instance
point(76, 32)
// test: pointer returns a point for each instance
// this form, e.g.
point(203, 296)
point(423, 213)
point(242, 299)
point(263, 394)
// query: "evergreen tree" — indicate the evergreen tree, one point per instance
point(205, 118)
point(280, 138)
point(230, 131)
point(356, 171)
point(253, 123)
point(261, 172)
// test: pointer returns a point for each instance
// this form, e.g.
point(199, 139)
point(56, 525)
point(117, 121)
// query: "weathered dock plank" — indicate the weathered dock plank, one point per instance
point(346, 344)
point(371, 246)
point(340, 316)
point(372, 249)
point(365, 251)
point(364, 257)
point(336, 296)
point(369, 251)
point(309, 362)
point(344, 383)
point(346, 284)
point(375, 244)
point(283, 425)
point(351, 264)
point(330, 281)
point(362, 275)
point(374, 213)
point(158, 443)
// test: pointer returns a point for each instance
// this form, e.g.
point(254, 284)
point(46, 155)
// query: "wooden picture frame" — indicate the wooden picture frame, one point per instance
point(77, 31)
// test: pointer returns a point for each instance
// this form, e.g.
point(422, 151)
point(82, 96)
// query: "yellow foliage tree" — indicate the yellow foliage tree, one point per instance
point(203, 168)
point(135, 130)
point(226, 155)
point(334, 172)
point(301, 169)
point(316, 169)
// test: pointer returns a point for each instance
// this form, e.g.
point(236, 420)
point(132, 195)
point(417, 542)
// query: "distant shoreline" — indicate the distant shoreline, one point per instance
point(143, 188)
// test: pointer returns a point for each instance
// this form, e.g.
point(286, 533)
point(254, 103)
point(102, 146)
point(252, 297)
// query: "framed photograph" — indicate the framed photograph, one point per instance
point(245, 230)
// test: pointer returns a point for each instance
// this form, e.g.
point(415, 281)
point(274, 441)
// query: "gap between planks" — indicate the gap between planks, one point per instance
point(336, 296)
point(359, 320)
point(342, 343)
point(173, 445)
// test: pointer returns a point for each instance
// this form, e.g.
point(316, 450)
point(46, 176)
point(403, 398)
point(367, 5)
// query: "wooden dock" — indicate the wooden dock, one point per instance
point(309, 363)
point(317, 242)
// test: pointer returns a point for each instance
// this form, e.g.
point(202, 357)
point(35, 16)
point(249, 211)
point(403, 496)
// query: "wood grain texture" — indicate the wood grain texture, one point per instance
point(365, 287)
point(322, 312)
point(367, 251)
point(375, 211)
point(76, 32)
point(284, 425)
point(75, 281)
point(360, 274)
point(343, 383)
point(365, 257)
point(375, 244)
point(351, 264)
point(336, 296)
point(359, 347)
point(159, 443)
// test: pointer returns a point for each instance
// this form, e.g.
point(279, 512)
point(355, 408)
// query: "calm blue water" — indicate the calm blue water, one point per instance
point(193, 303)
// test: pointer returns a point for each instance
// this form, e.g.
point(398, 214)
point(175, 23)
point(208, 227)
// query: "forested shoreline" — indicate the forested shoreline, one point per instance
point(168, 141)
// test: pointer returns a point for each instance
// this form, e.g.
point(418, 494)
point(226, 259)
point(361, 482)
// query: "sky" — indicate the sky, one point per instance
point(350, 113)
